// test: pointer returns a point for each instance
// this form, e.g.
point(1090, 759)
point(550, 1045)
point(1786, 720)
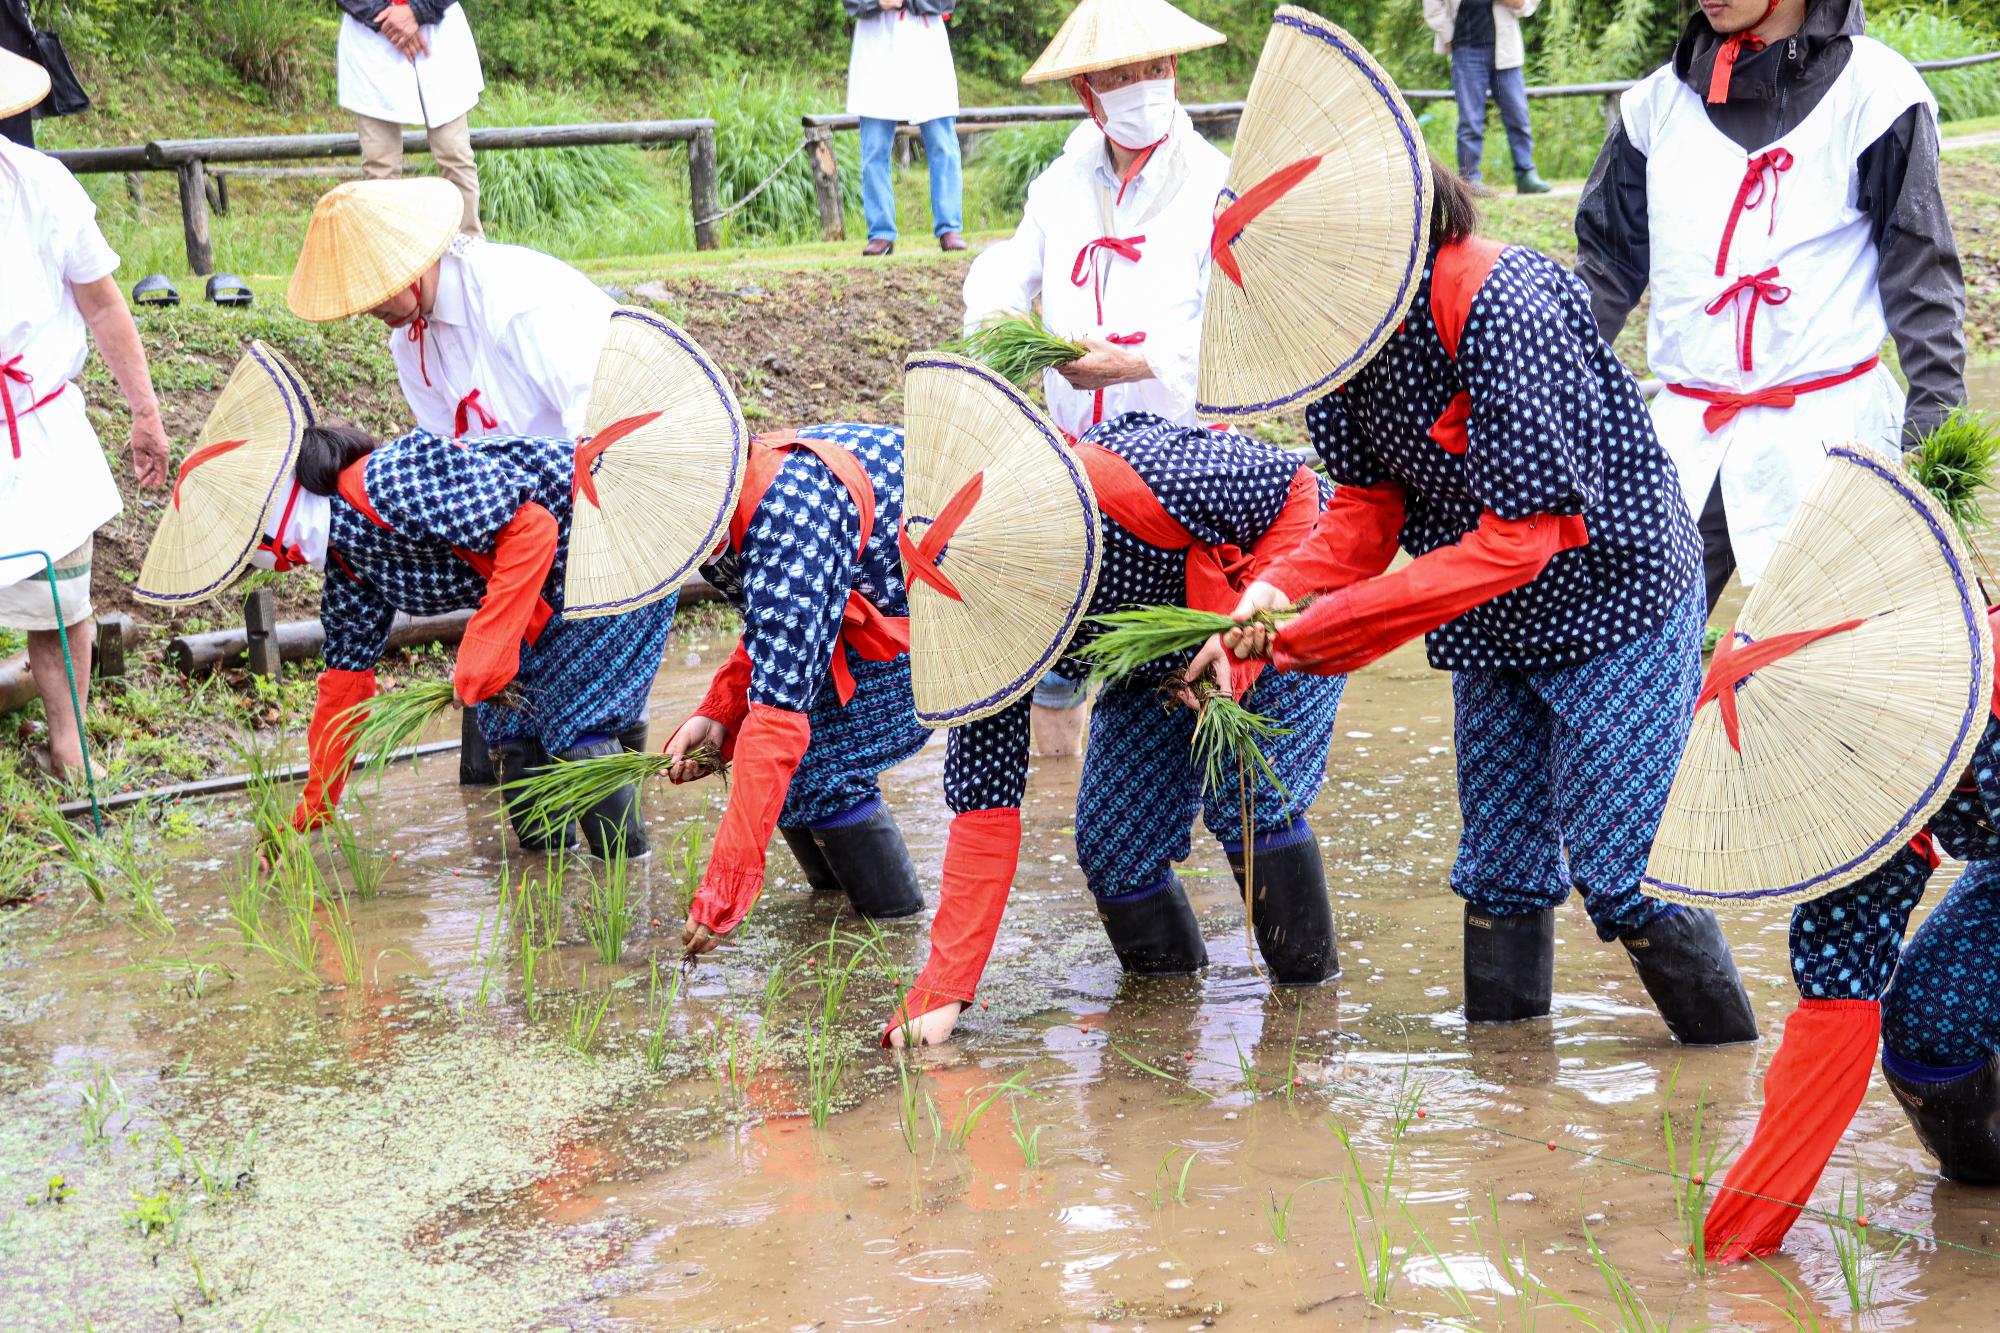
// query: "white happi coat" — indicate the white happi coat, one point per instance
point(378, 81)
point(1151, 303)
point(1806, 305)
point(516, 327)
point(900, 68)
point(59, 490)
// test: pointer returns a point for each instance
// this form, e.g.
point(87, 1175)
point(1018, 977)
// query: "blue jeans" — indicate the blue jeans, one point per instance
point(1472, 74)
point(878, 192)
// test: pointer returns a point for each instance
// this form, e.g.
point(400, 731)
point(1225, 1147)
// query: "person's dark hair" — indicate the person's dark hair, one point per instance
point(1454, 209)
point(327, 451)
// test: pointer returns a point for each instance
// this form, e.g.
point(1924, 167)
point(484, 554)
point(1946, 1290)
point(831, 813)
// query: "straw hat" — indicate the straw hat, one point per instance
point(1326, 267)
point(659, 469)
point(23, 84)
point(215, 514)
point(369, 240)
point(1021, 541)
point(1099, 34)
point(1851, 731)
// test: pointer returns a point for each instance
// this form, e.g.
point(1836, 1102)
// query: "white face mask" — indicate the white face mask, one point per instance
point(1138, 115)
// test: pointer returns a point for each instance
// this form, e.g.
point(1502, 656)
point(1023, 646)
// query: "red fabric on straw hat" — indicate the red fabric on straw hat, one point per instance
point(1812, 1089)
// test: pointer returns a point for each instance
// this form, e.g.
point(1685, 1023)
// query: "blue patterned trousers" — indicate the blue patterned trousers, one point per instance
point(853, 743)
point(1943, 1008)
point(1563, 774)
point(1142, 786)
point(584, 676)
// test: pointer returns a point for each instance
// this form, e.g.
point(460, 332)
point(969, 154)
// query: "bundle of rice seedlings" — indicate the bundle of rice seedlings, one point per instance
point(553, 798)
point(1955, 463)
point(1140, 635)
point(1018, 346)
point(381, 725)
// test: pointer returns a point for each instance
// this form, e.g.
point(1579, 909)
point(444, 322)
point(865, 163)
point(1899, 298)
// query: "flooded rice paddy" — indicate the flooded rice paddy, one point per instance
point(441, 1128)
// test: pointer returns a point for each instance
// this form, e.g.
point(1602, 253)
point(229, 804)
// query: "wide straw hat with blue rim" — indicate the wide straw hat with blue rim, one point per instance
point(1001, 539)
point(1842, 706)
point(1323, 241)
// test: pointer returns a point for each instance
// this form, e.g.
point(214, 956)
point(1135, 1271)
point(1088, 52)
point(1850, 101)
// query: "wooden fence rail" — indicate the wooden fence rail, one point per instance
point(190, 160)
point(1218, 118)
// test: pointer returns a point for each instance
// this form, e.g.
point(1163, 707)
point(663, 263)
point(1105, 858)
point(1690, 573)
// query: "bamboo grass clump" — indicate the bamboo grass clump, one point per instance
point(1018, 346)
point(559, 794)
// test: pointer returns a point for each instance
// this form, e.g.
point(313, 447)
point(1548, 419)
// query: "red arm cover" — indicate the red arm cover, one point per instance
point(330, 744)
point(1348, 629)
point(490, 654)
point(768, 750)
point(728, 697)
point(980, 854)
point(1812, 1089)
point(1354, 538)
point(1293, 525)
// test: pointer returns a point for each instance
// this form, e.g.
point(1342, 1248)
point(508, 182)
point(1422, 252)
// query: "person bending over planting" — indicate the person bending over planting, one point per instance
point(815, 700)
point(1015, 539)
point(1499, 441)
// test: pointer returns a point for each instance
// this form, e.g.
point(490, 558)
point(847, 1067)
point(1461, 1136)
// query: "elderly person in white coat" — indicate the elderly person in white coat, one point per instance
point(488, 339)
point(1483, 39)
point(55, 488)
point(412, 62)
point(901, 70)
point(1113, 244)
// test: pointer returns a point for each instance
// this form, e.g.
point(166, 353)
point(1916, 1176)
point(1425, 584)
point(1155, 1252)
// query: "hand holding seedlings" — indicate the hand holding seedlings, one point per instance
point(696, 749)
point(1253, 638)
point(697, 939)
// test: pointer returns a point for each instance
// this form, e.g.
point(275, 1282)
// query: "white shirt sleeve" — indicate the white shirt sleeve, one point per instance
point(1438, 18)
point(1007, 276)
point(560, 362)
point(86, 255)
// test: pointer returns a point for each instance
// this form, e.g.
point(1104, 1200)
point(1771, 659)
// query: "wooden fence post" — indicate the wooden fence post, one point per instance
point(1611, 112)
point(260, 624)
point(194, 215)
point(826, 183)
point(701, 188)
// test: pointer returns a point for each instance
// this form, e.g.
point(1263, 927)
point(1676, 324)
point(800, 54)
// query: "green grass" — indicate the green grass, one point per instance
point(1942, 32)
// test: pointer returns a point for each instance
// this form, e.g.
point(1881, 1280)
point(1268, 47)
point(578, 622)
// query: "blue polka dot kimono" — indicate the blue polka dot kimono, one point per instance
point(580, 678)
point(791, 579)
point(1940, 995)
point(1141, 788)
point(1574, 692)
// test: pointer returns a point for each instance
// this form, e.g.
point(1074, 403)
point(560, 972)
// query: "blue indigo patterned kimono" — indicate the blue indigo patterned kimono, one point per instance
point(580, 678)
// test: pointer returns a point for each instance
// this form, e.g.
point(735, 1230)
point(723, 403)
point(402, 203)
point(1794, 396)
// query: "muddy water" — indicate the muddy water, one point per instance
point(417, 1148)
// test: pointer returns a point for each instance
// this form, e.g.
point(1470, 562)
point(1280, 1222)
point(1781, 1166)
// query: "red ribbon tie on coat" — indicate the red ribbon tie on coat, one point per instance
point(11, 373)
point(1763, 289)
point(1733, 46)
point(1733, 666)
point(1724, 404)
point(468, 405)
point(590, 446)
point(1751, 193)
point(920, 557)
point(1253, 201)
point(1090, 261)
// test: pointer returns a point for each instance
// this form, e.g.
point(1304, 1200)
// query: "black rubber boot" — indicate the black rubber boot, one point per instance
point(514, 760)
point(615, 820)
point(1510, 965)
point(1685, 965)
point(1290, 914)
point(868, 860)
point(1155, 936)
point(1957, 1121)
point(819, 875)
point(475, 761)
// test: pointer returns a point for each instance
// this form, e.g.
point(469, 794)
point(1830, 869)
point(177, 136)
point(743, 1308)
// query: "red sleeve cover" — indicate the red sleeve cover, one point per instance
point(768, 750)
point(728, 697)
point(1293, 525)
point(1348, 629)
point(980, 856)
point(1354, 538)
point(490, 654)
point(330, 743)
point(1811, 1091)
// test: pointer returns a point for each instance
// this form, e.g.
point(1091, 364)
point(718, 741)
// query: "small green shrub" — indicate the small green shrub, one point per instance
point(1010, 160)
point(1941, 32)
point(757, 126)
point(270, 44)
point(576, 202)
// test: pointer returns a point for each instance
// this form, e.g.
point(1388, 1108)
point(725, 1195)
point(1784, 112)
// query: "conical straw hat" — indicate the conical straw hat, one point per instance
point(658, 472)
point(1851, 740)
point(1021, 547)
point(1329, 264)
point(1099, 34)
point(224, 491)
point(23, 84)
point(369, 240)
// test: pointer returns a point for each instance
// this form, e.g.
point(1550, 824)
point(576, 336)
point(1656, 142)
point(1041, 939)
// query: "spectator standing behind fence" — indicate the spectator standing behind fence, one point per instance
point(412, 62)
point(1484, 43)
point(55, 487)
point(901, 71)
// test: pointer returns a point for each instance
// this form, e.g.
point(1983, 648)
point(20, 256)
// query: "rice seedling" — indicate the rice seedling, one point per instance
point(1029, 1142)
point(354, 845)
point(530, 956)
point(580, 1032)
point(338, 923)
point(1860, 1262)
point(1229, 737)
point(1278, 1216)
point(125, 859)
point(488, 953)
point(184, 978)
point(911, 1096)
point(552, 798)
point(1158, 1072)
point(1955, 462)
point(98, 1099)
point(1633, 1315)
point(208, 1294)
point(1018, 346)
point(659, 1008)
point(291, 882)
point(828, 1043)
point(971, 1112)
point(1798, 1310)
point(1377, 1260)
point(392, 720)
point(221, 1176)
point(609, 914)
point(156, 1214)
point(687, 859)
point(81, 850)
point(536, 904)
point(1693, 1173)
point(1170, 1186)
point(1520, 1282)
point(1452, 1287)
point(1136, 637)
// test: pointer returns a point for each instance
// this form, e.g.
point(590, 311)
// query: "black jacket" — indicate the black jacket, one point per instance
point(423, 11)
point(861, 9)
point(1770, 92)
